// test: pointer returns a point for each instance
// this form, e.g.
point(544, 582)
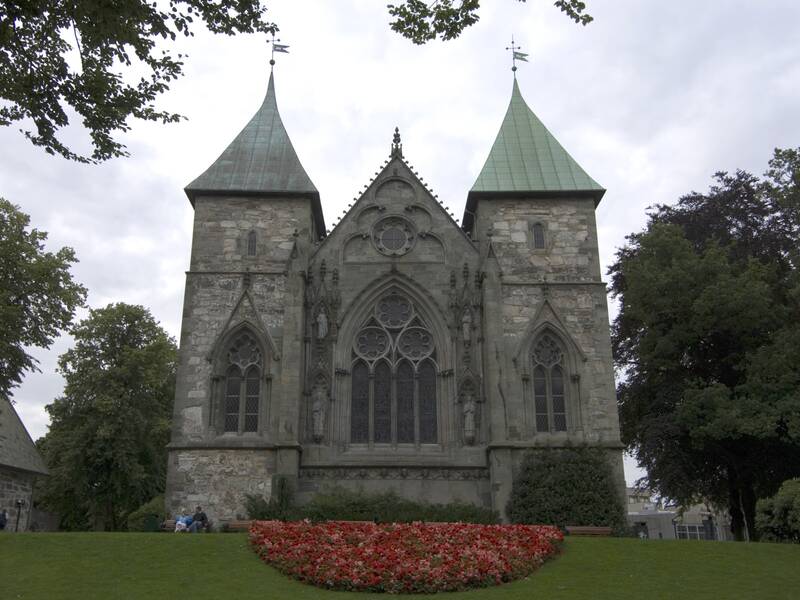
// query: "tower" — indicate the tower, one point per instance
point(235, 415)
point(548, 368)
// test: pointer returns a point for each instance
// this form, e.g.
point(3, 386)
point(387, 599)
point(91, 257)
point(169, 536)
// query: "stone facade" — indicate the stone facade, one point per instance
point(16, 485)
point(399, 351)
point(20, 465)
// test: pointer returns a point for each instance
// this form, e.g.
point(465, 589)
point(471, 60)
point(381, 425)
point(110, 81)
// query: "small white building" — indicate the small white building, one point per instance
point(653, 520)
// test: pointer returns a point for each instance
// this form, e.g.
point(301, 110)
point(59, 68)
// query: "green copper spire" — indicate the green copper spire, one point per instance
point(261, 160)
point(526, 157)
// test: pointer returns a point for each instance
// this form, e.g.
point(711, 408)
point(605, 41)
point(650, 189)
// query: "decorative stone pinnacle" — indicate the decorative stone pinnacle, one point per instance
point(397, 147)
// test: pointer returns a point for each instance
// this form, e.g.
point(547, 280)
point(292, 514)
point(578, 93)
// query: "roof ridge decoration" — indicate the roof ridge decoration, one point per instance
point(260, 160)
point(526, 157)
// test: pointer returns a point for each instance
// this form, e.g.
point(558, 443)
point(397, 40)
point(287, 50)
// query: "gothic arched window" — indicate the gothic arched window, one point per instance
point(393, 385)
point(242, 401)
point(251, 243)
point(548, 384)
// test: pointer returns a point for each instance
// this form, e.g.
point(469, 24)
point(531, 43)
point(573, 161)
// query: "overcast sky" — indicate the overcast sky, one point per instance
point(651, 99)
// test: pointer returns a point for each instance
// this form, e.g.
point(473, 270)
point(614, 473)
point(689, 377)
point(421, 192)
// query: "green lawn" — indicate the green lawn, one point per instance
point(131, 566)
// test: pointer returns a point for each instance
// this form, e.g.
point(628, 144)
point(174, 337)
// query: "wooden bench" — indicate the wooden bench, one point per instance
point(588, 531)
point(238, 526)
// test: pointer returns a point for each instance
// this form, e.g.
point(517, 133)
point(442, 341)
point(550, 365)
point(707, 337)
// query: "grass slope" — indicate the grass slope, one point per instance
point(135, 566)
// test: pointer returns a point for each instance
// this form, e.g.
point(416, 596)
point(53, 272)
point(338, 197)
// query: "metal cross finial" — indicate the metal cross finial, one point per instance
point(276, 47)
point(516, 55)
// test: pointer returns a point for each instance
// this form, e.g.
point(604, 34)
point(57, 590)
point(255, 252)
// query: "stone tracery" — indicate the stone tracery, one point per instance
point(393, 380)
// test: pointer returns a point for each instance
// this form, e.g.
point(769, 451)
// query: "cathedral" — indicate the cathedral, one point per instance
point(398, 350)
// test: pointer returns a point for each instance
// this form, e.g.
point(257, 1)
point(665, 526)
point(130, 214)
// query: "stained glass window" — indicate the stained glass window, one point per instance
point(242, 392)
point(427, 403)
point(359, 410)
point(382, 411)
point(549, 395)
point(405, 403)
point(394, 406)
point(540, 398)
point(251, 399)
point(232, 390)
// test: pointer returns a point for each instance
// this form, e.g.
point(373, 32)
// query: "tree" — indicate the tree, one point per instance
point(106, 447)
point(706, 340)
point(422, 21)
point(38, 297)
point(106, 61)
point(109, 62)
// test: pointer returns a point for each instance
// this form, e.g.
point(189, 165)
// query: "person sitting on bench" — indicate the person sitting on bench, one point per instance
point(182, 522)
point(199, 521)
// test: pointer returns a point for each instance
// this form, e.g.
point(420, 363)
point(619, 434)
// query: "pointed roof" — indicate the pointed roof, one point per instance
point(527, 158)
point(17, 449)
point(259, 161)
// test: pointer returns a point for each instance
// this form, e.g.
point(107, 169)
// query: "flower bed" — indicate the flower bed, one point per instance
point(403, 558)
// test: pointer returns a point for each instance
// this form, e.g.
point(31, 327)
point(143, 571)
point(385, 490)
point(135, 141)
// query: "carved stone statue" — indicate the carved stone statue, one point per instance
point(318, 406)
point(469, 408)
point(466, 326)
point(322, 325)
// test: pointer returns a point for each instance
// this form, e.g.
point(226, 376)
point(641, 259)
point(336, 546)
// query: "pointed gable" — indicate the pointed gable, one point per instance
point(526, 157)
point(17, 449)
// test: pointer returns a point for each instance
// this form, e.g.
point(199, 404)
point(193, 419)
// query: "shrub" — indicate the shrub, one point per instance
point(778, 517)
point(341, 504)
point(567, 486)
point(280, 505)
point(148, 517)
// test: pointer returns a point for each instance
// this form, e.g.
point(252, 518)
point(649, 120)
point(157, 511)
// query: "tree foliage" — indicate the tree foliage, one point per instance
point(38, 296)
point(106, 447)
point(422, 21)
point(706, 341)
point(566, 486)
point(778, 517)
point(105, 61)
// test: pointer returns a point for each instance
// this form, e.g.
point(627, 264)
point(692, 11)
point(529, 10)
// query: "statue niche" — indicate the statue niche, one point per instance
point(319, 405)
point(469, 412)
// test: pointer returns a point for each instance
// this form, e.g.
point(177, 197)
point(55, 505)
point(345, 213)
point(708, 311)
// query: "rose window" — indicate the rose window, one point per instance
point(372, 342)
point(415, 343)
point(393, 236)
point(394, 311)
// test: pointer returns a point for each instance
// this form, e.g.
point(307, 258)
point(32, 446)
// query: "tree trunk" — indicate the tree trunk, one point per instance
point(741, 507)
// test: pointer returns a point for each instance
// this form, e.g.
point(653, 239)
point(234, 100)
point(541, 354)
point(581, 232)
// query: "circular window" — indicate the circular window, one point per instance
point(394, 311)
point(415, 343)
point(393, 236)
point(371, 342)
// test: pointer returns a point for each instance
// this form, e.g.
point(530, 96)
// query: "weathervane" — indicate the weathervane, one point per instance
point(276, 47)
point(516, 55)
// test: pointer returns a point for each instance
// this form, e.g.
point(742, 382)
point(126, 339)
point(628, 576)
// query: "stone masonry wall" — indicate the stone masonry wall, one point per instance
point(218, 480)
point(15, 485)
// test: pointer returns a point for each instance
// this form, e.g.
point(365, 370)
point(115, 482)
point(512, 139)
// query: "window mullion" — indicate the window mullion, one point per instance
point(371, 428)
point(551, 420)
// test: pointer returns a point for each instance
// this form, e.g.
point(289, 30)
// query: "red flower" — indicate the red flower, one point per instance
point(414, 557)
